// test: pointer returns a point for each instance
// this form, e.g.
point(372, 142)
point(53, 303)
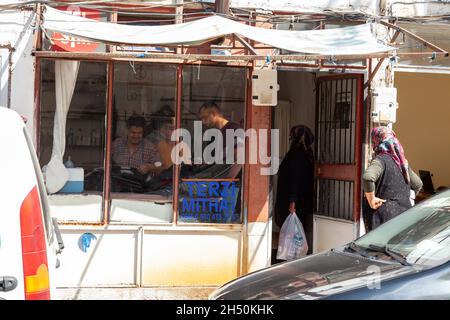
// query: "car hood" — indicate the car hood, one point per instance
point(313, 277)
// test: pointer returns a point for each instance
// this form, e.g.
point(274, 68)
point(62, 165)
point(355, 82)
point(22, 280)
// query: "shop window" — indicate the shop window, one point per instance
point(210, 185)
point(144, 117)
point(83, 142)
point(143, 121)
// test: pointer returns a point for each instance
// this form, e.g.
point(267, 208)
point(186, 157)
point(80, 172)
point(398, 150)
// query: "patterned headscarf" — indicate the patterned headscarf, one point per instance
point(299, 131)
point(384, 141)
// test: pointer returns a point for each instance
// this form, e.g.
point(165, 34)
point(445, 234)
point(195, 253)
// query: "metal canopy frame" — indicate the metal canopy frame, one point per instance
point(240, 57)
point(398, 30)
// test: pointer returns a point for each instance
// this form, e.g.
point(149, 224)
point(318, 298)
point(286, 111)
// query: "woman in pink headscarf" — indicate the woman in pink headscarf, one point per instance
point(388, 181)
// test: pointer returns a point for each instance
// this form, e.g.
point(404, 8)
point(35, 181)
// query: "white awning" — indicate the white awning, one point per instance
point(341, 41)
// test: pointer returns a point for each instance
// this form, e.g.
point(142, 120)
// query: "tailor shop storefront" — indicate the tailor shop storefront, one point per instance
point(186, 226)
point(189, 225)
point(122, 229)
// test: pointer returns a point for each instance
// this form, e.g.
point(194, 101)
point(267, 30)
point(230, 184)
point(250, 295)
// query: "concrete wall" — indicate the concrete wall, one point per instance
point(405, 8)
point(16, 30)
point(423, 122)
point(369, 6)
point(298, 88)
point(414, 8)
point(22, 86)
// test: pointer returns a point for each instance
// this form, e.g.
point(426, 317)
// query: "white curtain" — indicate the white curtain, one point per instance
point(56, 174)
point(282, 121)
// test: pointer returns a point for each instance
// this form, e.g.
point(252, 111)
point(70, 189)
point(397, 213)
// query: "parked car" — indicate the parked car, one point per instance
point(29, 238)
point(407, 257)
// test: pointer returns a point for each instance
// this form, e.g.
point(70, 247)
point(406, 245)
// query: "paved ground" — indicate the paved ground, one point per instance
point(160, 293)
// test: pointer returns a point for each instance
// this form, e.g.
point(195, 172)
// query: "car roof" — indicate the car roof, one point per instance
point(10, 119)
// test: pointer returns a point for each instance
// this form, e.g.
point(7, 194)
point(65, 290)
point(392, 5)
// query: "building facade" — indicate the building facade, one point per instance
point(121, 237)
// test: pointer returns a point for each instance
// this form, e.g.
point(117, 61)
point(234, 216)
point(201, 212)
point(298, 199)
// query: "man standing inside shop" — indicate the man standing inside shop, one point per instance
point(212, 117)
point(134, 151)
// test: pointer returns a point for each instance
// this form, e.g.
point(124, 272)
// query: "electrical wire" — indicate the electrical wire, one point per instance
point(92, 4)
point(263, 16)
point(89, 3)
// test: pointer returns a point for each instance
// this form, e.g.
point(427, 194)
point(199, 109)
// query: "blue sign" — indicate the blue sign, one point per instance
point(85, 241)
point(209, 202)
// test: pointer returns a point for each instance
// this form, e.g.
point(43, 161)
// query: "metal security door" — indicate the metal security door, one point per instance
point(339, 124)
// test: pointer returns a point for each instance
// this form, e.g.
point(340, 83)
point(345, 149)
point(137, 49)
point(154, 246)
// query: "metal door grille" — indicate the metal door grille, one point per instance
point(337, 121)
point(337, 143)
point(335, 198)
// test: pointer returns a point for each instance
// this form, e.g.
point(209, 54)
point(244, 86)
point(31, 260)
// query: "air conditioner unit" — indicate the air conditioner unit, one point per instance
point(264, 87)
point(384, 105)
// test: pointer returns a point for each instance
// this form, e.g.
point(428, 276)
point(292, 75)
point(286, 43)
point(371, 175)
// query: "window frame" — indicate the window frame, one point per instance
point(106, 194)
point(90, 218)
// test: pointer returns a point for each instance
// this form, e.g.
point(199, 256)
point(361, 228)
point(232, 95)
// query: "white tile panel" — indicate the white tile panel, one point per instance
point(76, 207)
point(140, 211)
point(259, 245)
point(190, 258)
point(258, 228)
point(111, 260)
point(330, 233)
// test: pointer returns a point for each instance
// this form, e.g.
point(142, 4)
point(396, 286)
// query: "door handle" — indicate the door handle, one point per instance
point(7, 283)
point(317, 168)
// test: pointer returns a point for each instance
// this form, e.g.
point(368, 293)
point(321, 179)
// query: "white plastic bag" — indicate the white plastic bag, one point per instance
point(292, 242)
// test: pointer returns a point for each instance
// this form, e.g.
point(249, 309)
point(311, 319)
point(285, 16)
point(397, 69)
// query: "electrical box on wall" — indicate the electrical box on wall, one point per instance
point(384, 105)
point(264, 87)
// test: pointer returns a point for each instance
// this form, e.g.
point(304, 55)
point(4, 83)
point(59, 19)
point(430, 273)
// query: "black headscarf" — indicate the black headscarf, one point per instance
point(296, 134)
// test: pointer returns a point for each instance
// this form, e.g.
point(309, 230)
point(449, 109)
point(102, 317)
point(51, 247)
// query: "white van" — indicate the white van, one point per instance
point(29, 238)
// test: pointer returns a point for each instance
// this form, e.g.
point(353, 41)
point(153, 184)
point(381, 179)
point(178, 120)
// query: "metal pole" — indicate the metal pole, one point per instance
point(176, 172)
point(114, 19)
point(222, 6)
point(37, 105)
point(37, 80)
point(246, 44)
point(10, 62)
point(374, 72)
point(109, 115)
point(246, 173)
point(179, 18)
point(150, 57)
point(10, 53)
point(358, 146)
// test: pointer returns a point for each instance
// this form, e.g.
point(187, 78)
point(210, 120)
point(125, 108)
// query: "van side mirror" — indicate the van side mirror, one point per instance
point(58, 235)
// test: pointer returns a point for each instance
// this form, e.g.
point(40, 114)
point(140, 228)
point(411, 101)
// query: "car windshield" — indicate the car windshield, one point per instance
point(420, 234)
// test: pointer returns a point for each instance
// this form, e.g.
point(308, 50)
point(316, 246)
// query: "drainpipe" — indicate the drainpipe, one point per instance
point(179, 19)
point(383, 8)
point(222, 6)
point(11, 50)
